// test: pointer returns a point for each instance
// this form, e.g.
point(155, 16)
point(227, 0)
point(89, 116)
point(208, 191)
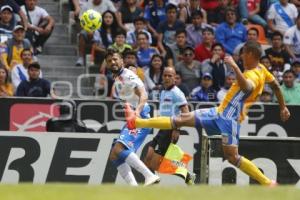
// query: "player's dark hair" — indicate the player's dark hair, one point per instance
point(254, 48)
point(111, 52)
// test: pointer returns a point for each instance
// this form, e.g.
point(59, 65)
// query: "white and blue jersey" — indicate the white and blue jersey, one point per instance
point(170, 101)
point(125, 84)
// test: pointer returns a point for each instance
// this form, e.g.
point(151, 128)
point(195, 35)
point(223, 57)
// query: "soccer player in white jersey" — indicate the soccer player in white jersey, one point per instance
point(130, 89)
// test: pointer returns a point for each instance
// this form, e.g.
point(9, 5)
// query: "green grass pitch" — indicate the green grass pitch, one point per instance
point(118, 192)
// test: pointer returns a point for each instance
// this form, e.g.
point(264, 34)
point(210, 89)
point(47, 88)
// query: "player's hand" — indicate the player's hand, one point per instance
point(230, 61)
point(285, 114)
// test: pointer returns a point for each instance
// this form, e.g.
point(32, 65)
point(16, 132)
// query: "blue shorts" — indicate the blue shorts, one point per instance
point(133, 139)
point(216, 124)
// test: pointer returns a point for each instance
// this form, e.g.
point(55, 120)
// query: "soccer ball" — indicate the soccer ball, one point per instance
point(91, 20)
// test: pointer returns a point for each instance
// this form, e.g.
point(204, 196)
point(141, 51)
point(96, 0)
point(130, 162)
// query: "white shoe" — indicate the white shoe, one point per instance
point(152, 180)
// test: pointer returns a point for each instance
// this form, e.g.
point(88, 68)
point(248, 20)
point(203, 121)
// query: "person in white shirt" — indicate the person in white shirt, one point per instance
point(40, 24)
point(19, 72)
point(129, 88)
point(281, 16)
point(291, 40)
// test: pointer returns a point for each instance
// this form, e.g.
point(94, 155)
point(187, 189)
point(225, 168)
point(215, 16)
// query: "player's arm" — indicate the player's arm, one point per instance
point(245, 84)
point(284, 111)
point(141, 93)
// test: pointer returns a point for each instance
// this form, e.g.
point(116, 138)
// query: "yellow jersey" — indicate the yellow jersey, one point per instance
point(236, 102)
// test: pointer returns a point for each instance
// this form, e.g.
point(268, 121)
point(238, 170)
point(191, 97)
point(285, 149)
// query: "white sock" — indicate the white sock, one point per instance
point(134, 161)
point(126, 173)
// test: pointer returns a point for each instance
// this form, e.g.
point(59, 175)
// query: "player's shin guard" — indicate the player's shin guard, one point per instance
point(250, 168)
point(156, 122)
point(126, 173)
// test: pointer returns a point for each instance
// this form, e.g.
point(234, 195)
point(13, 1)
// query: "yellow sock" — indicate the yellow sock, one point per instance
point(157, 122)
point(250, 168)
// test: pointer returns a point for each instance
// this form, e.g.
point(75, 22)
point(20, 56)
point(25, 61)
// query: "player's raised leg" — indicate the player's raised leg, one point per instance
point(164, 123)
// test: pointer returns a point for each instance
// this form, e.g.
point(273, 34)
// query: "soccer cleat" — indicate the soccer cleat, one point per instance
point(130, 117)
point(190, 179)
point(273, 184)
point(152, 180)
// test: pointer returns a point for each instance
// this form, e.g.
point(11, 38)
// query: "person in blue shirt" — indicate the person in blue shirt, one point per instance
point(172, 101)
point(231, 33)
point(205, 92)
point(155, 12)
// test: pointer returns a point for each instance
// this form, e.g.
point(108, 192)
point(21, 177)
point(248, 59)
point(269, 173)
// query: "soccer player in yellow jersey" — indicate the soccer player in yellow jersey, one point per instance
point(226, 118)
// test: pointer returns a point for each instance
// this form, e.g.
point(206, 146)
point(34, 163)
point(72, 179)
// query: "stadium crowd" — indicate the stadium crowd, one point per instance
point(192, 36)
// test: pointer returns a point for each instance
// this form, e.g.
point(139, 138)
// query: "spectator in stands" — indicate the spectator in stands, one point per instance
point(6, 88)
point(266, 95)
point(98, 5)
point(205, 91)
point(14, 47)
point(189, 68)
point(175, 51)
point(130, 59)
point(128, 11)
point(216, 66)
point(140, 25)
point(20, 71)
point(194, 30)
point(265, 60)
point(231, 33)
point(144, 50)
point(167, 29)
point(203, 50)
point(296, 70)
point(249, 10)
point(16, 10)
point(281, 16)
point(6, 25)
point(292, 40)
point(155, 12)
point(279, 57)
point(182, 86)
point(185, 14)
point(35, 86)
point(210, 7)
point(153, 76)
point(252, 34)
point(290, 89)
point(120, 44)
point(40, 24)
point(67, 121)
point(75, 7)
point(103, 38)
point(217, 15)
point(229, 79)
